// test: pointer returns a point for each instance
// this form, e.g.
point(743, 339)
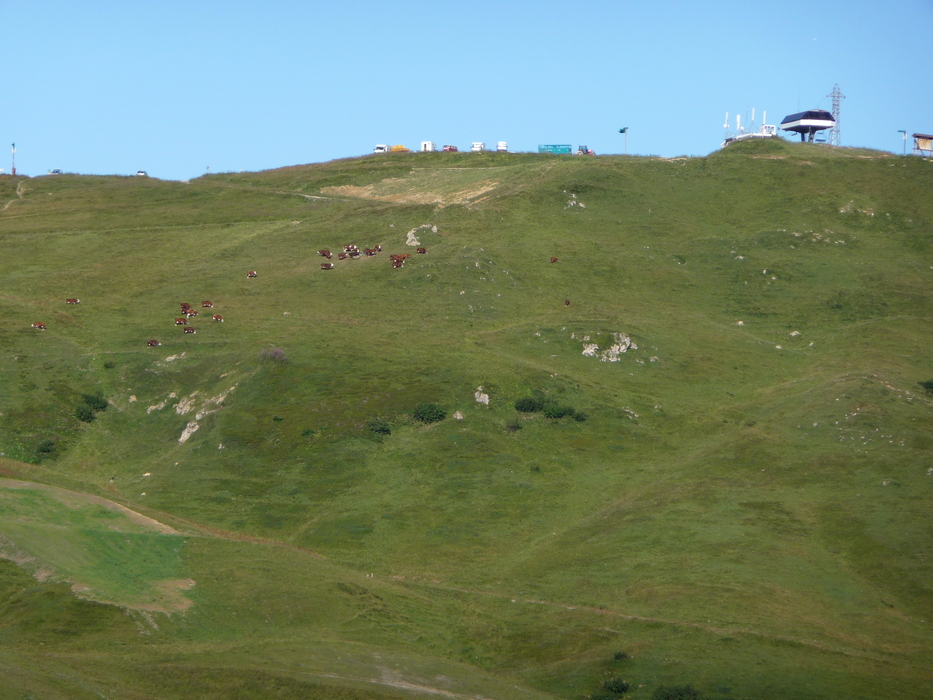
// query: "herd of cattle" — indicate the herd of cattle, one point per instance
point(350, 252)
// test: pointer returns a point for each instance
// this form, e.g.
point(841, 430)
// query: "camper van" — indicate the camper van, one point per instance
point(478, 146)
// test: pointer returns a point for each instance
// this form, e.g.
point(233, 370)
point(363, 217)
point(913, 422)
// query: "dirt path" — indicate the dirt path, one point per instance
point(20, 191)
point(724, 631)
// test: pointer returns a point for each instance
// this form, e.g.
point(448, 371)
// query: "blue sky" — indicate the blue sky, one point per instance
point(176, 87)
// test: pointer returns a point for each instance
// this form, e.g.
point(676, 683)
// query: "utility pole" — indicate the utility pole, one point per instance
point(14, 159)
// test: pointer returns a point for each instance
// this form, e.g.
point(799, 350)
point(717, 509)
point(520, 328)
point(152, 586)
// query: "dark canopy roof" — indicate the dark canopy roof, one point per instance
point(820, 114)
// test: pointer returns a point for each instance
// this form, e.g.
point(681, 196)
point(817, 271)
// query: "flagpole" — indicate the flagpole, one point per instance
point(14, 159)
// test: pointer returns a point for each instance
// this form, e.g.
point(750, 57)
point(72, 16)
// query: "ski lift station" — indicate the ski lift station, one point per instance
point(809, 123)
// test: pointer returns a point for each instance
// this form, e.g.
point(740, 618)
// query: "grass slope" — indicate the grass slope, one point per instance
point(742, 507)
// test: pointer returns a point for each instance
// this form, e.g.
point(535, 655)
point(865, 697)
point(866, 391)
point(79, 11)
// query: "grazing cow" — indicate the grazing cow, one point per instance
point(369, 251)
point(354, 254)
point(405, 256)
point(378, 248)
point(327, 266)
point(566, 302)
point(191, 312)
point(190, 329)
point(153, 343)
point(342, 256)
point(553, 259)
point(207, 305)
point(72, 301)
point(397, 264)
point(217, 317)
point(181, 321)
point(39, 325)
point(395, 257)
point(252, 273)
point(325, 253)
point(423, 251)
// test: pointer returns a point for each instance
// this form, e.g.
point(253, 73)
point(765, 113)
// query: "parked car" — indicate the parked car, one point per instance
point(57, 171)
point(142, 173)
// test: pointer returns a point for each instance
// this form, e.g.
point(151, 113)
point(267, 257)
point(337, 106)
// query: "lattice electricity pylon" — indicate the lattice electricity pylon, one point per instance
point(835, 136)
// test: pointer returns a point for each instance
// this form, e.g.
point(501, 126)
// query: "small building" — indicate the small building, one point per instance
point(428, 146)
point(555, 148)
point(923, 145)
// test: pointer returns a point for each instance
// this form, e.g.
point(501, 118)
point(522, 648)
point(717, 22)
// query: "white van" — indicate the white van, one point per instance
point(428, 146)
point(381, 148)
point(478, 146)
point(502, 147)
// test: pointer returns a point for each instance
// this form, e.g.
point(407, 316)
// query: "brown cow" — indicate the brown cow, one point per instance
point(207, 305)
point(181, 321)
point(217, 317)
point(190, 329)
point(423, 251)
point(191, 312)
point(72, 301)
point(325, 253)
point(252, 273)
point(369, 251)
point(39, 325)
point(153, 343)
point(553, 259)
point(327, 266)
point(378, 248)
point(341, 256)
point(185, 306)
point(566, 302)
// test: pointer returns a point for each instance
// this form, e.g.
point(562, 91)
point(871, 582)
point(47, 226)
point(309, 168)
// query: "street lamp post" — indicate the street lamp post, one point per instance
point(904, 131)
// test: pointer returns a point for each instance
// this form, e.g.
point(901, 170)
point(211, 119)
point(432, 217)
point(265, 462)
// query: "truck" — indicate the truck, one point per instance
point(478, 147)
point(381, 148)
point(502, 147)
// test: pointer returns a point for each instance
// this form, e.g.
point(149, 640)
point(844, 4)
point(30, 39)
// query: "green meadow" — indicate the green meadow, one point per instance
point(725, 479)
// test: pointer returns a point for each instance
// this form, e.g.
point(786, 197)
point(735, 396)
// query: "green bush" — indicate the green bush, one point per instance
point(675, 692)
point(557, 411)
point(529, 404)
point(927, 385)
point(380, 426)
point(579, 416)
point(109, 364)
point(94, 402)
point(85, 413)
point(429, 413)
point(616, 685)
point(619, 655)
point(46, 447)
point(513, 426)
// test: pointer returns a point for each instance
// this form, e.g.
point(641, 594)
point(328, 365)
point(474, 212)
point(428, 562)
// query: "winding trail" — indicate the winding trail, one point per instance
point(20, 190)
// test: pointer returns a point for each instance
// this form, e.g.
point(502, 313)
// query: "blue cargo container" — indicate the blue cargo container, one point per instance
point(559, 148)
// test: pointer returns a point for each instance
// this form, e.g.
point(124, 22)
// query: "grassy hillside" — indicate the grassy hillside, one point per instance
point(739, 501)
